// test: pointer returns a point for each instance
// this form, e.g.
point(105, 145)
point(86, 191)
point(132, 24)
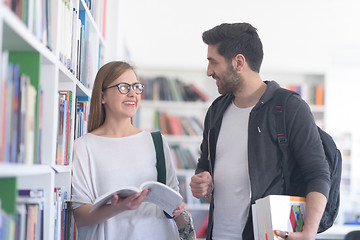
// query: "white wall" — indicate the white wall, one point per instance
point(297, 35)
point(308, 36)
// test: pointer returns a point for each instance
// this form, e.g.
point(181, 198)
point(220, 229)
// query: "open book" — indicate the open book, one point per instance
point(162, 195)
point(277, 212)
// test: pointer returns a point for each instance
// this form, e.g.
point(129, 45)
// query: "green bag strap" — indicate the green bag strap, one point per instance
point(160, 158)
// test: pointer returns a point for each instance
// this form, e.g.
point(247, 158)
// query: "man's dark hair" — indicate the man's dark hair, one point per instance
point(237, 38)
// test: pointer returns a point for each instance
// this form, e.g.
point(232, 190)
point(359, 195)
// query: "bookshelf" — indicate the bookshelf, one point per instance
point(46, 47)
point(184, 145)
point(342, 119)
point(310, 86)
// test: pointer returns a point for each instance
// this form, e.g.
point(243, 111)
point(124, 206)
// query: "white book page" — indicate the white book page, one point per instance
point(255, 222)
point(280, 212)
point(162, 195)
point(106, 198)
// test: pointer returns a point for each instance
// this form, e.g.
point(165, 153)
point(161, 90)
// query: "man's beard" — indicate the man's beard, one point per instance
point(230, 81)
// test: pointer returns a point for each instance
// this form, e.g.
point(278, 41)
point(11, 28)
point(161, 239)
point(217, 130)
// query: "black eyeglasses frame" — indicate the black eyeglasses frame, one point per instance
point(133, 86)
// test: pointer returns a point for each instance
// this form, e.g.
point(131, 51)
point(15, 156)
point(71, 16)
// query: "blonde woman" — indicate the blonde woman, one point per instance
point(115, 153)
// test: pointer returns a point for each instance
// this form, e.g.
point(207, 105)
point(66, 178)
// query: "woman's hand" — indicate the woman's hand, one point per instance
point(132, 202)
point(84, 217)
point(179, 209)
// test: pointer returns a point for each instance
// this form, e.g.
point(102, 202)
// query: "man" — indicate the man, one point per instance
point(239, 160)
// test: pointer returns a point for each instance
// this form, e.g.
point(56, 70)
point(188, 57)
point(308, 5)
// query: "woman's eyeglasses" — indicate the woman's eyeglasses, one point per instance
point(124, 88)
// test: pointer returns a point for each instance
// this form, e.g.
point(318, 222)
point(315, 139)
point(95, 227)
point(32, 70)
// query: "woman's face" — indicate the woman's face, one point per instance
point(123, 105)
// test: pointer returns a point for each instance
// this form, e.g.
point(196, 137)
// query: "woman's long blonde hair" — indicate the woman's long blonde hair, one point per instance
point(105, 76)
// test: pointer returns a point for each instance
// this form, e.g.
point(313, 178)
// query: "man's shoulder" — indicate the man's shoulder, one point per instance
point(222, 100)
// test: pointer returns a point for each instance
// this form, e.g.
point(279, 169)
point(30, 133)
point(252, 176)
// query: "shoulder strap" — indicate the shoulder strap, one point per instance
point(279, 101)
point(160, 158)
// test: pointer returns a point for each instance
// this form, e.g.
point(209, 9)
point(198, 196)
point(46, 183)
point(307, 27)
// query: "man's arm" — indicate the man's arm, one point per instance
point(315, 206)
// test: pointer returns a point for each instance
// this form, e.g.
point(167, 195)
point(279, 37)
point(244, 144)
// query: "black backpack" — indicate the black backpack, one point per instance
point(333, 156)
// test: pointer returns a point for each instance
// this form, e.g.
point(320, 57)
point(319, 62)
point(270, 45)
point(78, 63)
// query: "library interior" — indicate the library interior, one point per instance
point(51, 52)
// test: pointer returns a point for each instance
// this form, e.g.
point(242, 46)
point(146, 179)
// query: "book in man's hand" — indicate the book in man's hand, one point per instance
point(162, 195)
point(277, 212)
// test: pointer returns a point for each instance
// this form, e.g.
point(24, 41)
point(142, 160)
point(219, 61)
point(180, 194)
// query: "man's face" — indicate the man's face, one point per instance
point(227, 79)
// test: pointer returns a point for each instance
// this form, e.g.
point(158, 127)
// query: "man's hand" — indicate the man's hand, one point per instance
point(315, 205)
point(201, 184)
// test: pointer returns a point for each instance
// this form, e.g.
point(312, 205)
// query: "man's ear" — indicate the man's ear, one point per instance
point(239, 62)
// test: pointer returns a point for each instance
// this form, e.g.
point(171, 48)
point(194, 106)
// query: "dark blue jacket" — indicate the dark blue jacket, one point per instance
point(264, 159)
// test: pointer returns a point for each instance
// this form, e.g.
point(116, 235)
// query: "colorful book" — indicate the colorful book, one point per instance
point(14, 136)
point(8, 194)
point(61, 127)
point(33, 71)
point(68, 97)
point(31, 126)
point(277, 212)
point(33, 200)
point(3, 103)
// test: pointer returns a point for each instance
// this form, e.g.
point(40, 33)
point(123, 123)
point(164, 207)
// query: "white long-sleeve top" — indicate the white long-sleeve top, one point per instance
point(103, 164)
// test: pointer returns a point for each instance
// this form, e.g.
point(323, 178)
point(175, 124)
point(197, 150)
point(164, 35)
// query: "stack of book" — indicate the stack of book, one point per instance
point(277, 212)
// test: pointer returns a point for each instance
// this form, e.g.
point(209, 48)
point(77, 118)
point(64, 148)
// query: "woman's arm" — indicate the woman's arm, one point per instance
point(83, 217)
point(315, 206)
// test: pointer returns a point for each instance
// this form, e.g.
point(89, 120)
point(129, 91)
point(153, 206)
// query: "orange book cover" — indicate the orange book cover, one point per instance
point(175, 125)
point(164, 123)
point(319, 95)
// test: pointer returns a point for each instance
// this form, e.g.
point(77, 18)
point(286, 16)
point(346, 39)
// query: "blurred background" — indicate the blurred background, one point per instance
point(305, 42)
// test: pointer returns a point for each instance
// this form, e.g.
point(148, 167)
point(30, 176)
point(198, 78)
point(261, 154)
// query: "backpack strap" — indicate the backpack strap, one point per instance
point(279, 102)
point(160, 158)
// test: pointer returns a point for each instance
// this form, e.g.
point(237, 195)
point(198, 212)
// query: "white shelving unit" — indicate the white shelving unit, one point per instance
point(301, 80)
point(198, 109)
point(16, 36)
point(197, 209)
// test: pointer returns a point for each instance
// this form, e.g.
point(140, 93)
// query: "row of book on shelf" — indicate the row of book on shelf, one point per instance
point(21, 105)
point(21, 114)
point(169, 124)
point(170, 89)
point(64, 24)
point(22, 213)
point(65, 126)
point(183, 157)
point(313, 94)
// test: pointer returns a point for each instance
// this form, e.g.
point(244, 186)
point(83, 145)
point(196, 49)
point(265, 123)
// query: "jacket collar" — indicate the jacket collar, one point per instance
point(269, 92)
point(223, 101)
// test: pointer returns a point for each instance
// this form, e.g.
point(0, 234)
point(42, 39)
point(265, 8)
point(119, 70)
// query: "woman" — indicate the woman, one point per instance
point(115, 153)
